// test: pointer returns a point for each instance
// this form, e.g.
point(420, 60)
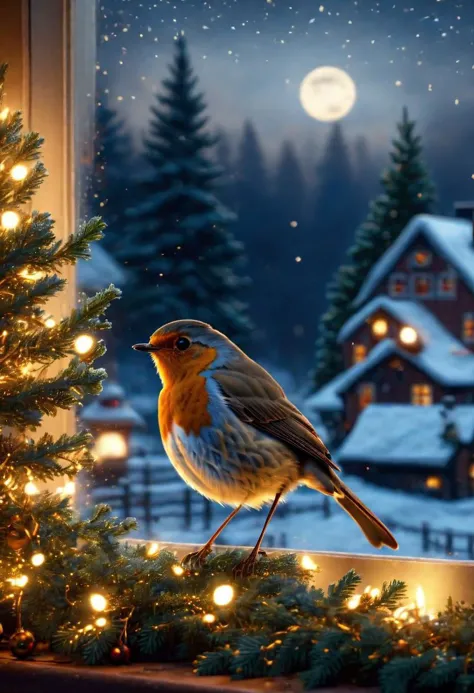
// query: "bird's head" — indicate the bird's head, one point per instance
point(184, 347)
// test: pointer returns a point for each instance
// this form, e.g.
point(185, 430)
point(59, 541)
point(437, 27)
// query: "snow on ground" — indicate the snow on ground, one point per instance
point(310, 530)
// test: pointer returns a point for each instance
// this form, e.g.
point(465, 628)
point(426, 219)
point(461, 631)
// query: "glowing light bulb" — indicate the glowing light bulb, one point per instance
point(37, 559)
point(98, 602)
point(208, 618)
point(19, 172)
point(178, 570)
point(4, 113)
point(408, 335)
point(223, 595)
point(153, 549)
point(31, 489)
point(88, 628)
point(354, 601)
point(375, 593)
point(10, 220)
point(307, 563)
point(101, 622)
point(21, 581)
point(31, 275)
point(420, 600)
point(111, 446)
point(69, 488)
point(50, 322)
point(84, 343)
point(380, 327)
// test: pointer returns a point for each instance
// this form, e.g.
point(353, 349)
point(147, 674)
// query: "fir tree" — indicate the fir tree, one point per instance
point(40, 373)
point(334, 215)
point(110, 180)
point(182, 257)
point(407, 191)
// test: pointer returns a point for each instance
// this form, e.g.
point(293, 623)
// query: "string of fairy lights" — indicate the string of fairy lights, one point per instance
point(23, 528)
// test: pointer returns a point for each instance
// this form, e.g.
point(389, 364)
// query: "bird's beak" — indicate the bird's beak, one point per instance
point(144, 347)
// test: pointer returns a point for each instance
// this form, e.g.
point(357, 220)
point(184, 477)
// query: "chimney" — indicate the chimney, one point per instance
point(449, 430)
point(465, 210)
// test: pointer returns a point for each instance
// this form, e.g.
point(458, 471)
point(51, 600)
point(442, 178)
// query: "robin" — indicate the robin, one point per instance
point(233, 436)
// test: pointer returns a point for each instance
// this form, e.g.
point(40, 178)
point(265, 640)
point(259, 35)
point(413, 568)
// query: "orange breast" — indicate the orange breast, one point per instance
point(185, 404)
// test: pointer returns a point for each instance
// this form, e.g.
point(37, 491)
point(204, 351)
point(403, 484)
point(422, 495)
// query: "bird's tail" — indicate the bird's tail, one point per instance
point(328, 483)
point(375, 531)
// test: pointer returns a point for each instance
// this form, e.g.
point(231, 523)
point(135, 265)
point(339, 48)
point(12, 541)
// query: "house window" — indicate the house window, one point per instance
point(422, 285)
point(434, 483)
point(421, 258)
point(398, 285)
point(421, 394)
point(447, 285)
point(468, 327)
point(366, 394)
point(359, 352)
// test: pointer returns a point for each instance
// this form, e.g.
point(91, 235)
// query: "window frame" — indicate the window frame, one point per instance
point(469, 315)
point(355, 346)
point(417, 275)
point(449, 274)
point(391, 281)
point(421, 395)
point(413, 262)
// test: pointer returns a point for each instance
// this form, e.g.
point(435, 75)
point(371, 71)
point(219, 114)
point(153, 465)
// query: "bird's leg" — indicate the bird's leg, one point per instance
point(246, 567)
point(196, 559)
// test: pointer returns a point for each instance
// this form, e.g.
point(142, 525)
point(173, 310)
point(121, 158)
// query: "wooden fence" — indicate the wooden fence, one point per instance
point(153, 493)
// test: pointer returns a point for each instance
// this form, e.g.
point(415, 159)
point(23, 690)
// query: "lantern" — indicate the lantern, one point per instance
point(111, 420)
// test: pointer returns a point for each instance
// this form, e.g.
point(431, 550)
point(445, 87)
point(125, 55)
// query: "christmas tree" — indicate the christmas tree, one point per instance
point(182, 257)
point(44, 366)
point(407, 191)
point(111, 180)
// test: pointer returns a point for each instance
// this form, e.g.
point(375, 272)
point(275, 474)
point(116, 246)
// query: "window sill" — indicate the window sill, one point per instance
point(45, 673)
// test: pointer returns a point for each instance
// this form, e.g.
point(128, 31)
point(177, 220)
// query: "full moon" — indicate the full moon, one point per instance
point(327, 93)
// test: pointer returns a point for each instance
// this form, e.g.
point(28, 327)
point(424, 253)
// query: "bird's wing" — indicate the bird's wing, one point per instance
point(257, 399)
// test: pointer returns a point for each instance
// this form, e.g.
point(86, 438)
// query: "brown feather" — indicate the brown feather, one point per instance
point(257, 399)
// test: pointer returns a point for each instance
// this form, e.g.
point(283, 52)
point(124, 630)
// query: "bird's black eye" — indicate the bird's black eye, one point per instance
point(183, 343)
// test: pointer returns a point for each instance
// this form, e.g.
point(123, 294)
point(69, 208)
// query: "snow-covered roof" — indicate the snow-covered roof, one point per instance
point(406, 435)
point(452, 238)
point(121, 413)
point(100, 271)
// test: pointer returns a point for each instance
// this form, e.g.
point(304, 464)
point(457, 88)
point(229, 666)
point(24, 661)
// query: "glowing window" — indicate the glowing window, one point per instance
point(434, 483)
point(359, 352)
point(366, 394)
point(421, 394)
point(398, 285)
point(422, 285)
point(421, 258)
point(447, 284)
point(468, 327)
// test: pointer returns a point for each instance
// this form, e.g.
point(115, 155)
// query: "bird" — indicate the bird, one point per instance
point(233, 435)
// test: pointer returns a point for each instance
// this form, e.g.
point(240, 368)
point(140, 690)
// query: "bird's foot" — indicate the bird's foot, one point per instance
point(196, 560)
point(246, 567)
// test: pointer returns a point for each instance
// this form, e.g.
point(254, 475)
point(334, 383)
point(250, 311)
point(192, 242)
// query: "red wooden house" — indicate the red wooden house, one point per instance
point(403, 410)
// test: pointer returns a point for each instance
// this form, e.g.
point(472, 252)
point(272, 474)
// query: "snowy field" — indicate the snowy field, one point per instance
point(310, 530)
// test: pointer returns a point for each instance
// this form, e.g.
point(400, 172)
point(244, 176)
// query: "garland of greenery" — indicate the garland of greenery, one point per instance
point(109, 600)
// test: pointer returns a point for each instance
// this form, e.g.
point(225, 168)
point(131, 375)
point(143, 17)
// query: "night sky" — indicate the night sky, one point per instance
point(251, 55)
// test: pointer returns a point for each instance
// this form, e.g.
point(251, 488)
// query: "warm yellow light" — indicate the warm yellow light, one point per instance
point(31, 275)
point(307, 563)
point(101, 622)
point(84, 343)
point(380, 327)
point(208, 618)
point(152, 549)
point(111, 446)
point(88, 628)
point(98, 602)
point(471, 472)
point(50, 322)
point(434, 483)
point(408, 335)
point(223, 595)
point(31, 489)
point(4, 113)
point(21, 581)
point(69, 488)
point(354, 601)
point(10, 220)
point(37, 559)
point(178, 570)
point(374, 593)
point(19, 172)
point(420, 600)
